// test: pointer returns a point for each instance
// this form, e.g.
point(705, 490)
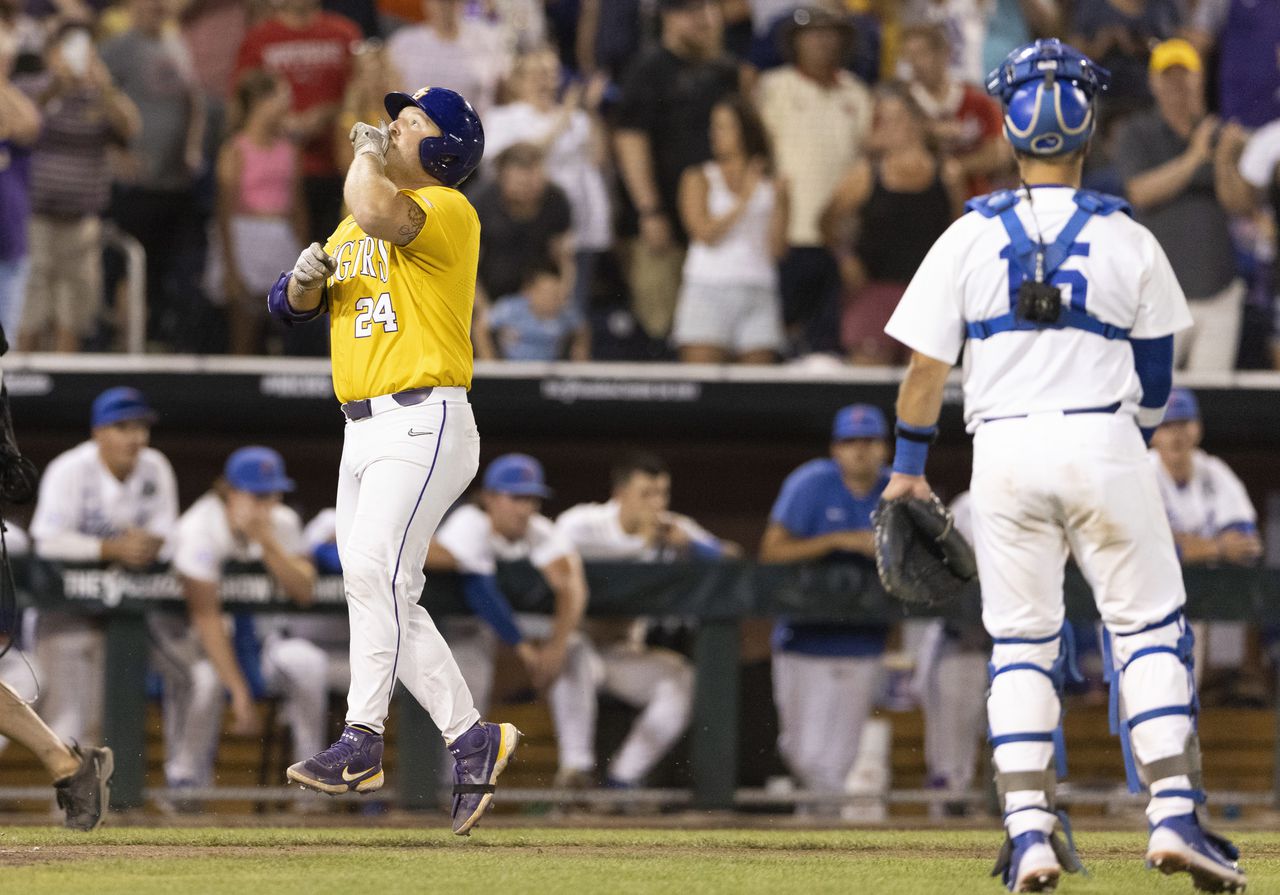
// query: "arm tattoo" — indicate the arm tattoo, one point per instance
point(413, 226)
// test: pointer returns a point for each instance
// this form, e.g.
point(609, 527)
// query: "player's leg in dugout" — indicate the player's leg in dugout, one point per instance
point(823, 702)
point(1021, 551)
point(658, 682)
point(1121, 538)
point(297, 670)
point(393, 489)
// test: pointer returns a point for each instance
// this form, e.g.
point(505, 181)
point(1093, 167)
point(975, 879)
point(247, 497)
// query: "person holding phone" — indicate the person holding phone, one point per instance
point(84, 114)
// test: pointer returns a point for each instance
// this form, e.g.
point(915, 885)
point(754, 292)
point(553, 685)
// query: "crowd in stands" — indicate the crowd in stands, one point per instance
point(711, 180)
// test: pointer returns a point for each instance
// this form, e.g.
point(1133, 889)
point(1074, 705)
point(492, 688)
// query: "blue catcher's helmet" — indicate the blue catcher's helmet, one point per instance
point(1048, 90)
point(451, 157)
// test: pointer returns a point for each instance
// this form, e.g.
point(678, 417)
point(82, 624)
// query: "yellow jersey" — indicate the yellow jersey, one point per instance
point(400, 316)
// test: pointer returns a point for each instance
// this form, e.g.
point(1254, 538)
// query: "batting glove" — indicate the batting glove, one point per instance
point(313, 267)
point(370, 140)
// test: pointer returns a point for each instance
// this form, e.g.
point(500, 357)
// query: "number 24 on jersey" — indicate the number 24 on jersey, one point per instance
point(370, 311)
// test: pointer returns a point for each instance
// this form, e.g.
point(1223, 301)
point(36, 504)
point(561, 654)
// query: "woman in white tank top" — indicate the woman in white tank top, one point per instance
point(736, 215)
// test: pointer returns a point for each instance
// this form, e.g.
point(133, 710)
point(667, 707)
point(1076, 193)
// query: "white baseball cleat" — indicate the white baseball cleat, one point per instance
point(1032, 864)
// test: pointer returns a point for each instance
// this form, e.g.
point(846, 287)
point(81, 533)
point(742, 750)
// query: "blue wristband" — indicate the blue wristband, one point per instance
point(912, 448)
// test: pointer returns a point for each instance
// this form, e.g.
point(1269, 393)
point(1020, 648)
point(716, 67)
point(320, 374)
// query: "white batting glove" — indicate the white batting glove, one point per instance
point(313, 267)
point(369, 140)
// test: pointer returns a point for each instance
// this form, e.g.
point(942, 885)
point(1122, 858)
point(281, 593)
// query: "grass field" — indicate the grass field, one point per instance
point(139, 861)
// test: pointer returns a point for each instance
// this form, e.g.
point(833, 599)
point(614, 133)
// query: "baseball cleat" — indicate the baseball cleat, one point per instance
point(86, 794)
point(1180, 845)
point(352, 764)
point(1032, 865)
point(480, 755)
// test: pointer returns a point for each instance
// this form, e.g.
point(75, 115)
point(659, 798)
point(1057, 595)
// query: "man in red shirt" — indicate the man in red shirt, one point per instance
point(966, 122)
point(311, 49)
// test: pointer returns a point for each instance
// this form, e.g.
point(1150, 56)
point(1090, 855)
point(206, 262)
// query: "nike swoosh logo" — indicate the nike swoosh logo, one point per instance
point(356, 776)
point(413, 432)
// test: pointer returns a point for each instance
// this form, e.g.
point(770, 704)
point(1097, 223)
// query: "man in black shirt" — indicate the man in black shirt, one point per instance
point(524, 219)
point(662, 128)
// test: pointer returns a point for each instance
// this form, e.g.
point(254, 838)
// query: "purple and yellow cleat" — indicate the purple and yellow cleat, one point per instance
point(480, 755)
point(352, 764)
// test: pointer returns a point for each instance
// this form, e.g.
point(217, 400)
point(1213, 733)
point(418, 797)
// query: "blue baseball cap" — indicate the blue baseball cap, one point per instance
point(258, 470)
point(1182, 406)
point(118, 405)
point(859, 421)
point(517, 474)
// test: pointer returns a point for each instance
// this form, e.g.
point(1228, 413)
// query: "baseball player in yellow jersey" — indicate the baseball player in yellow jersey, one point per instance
point(397, 278)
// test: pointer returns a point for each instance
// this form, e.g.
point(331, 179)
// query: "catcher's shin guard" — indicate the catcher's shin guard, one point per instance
point(1153, 710)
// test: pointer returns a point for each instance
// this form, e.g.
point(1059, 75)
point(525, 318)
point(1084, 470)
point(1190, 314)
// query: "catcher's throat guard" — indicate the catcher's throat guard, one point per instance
point(920, 556)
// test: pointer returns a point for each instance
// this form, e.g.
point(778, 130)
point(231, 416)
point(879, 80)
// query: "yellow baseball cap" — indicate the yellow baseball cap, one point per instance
point(1173, 52)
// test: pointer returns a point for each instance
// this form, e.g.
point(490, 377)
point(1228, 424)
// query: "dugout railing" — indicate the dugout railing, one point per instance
point(716, 596)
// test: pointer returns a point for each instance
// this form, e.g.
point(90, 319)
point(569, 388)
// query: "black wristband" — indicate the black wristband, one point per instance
point(912, 434)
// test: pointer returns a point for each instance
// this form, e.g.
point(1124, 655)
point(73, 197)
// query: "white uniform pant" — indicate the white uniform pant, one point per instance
point(71, 651)
point(656, 681)
point(1049, 485)
point(952, 685)
point(194, 701)
point(401, 470)
point(823, 702)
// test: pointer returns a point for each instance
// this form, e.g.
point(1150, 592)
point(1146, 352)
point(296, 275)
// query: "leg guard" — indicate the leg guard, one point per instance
point(1153, 710)
point(1024, 714)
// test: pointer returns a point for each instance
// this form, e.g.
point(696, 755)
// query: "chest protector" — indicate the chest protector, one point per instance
point(1032, 262)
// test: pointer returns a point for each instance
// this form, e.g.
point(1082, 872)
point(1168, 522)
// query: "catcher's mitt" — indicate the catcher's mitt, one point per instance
point(920, 556)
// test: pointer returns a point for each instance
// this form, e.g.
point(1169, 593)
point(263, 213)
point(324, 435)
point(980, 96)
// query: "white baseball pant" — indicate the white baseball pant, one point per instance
point(952, 687)
point(401, 470)
point(71, 648)
point(1045, 486)
point(823, 702)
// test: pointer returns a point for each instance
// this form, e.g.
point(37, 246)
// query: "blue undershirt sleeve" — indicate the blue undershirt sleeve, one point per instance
point(487, 601)
point(1153, 361)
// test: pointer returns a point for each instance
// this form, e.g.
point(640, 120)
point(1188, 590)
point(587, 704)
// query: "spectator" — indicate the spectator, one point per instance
point(83, 114)
point(827, 675)
point(1260, 168)
point(860, 33)
point(1119, 35)
point(965, 122)
point(1180, 171)
point(155, 201)
point(373, 76)
point(451, 50)
point(903, 198)
point(607, 34)
point(661, 130)
point(1247, 36)
point(817, 115)
point(505, 523)
point(241, 519)
point(261, 213)
point(964, 22)
point(19, 130)
point(735, 212)
point(1212, 518)
point(1013, 23)
point(637, 525)
point(310, 49)
point(111, 500)
point(523, 218)
point(540, 323)
point(572, 135)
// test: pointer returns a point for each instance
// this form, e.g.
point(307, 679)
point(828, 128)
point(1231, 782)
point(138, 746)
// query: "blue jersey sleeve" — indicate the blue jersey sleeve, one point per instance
point(326, 558)
point(793, 509)
point(487, 601)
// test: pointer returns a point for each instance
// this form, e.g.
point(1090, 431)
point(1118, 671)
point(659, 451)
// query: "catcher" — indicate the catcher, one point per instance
point(81, 778)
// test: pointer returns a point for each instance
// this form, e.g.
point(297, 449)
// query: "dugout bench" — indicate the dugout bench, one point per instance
point(716, 595)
